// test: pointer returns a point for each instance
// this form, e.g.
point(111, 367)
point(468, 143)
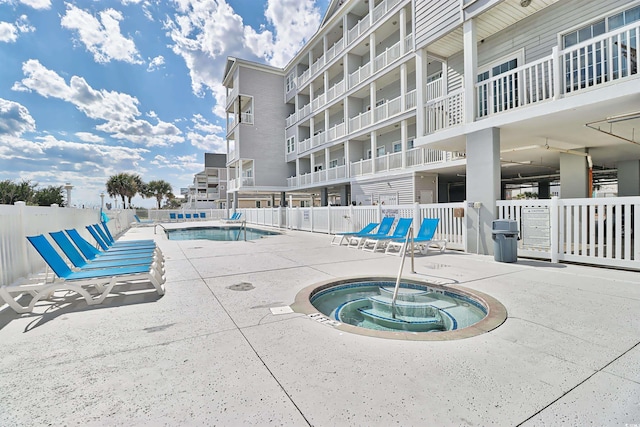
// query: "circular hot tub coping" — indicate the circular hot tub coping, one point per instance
point(496, 312)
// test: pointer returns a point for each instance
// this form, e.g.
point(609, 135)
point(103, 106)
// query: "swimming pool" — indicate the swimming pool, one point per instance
point(422, 310)
point(228, 233)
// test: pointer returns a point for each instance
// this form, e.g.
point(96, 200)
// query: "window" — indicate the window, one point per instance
point(291, 145)
point(257, 203)
point(291, 82)
point(333, 163)
point(380, 151)
point(410, 144)
point(397, 147)
point(317, 168)
point(368, 154)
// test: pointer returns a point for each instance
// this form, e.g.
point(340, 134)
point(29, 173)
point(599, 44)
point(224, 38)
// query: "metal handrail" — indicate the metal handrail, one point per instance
point(243, 226)
point(408, 239)
point(156, 225)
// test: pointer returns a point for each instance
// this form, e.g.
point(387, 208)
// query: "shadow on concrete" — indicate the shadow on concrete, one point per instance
point(66, 302)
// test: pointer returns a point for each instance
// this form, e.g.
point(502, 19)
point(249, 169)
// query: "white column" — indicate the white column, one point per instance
point(373, 99)
point(403, 29)
point(403, 86)
point(327, 157)
point(326, 120)
point(403, 141)
point(372, 50)
point(347, 157)
point(421, 86)
point(374, 143)
point(470, 69)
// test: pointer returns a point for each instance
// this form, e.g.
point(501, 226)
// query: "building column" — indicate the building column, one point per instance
point(544, 190)
point(574, 176)
point(403, 87)
point(324, 196)
point(374, 143)
point(629, 178)
point(283, 199)
point(235, 201)
point(347, 158)
point(470, 69)
point(421, 85)
point(326, 121)
point(327, 157)
point(483, 188)
point(403, 142)
point(344, 195)
point(403, 30)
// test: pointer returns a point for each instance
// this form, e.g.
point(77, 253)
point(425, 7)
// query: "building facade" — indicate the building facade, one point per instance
point(209, 186)
point(404, 101)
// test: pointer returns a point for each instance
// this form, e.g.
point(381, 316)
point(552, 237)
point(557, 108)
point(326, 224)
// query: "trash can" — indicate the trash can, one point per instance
point(505, 240)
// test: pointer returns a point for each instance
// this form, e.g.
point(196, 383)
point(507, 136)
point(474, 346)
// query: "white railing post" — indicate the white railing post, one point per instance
point(556, 67)
point(311, 217)
point(23, 242)
point(351, 216)
point(328, 218)
point(416, 216)
point(379, 212)
point(554, 232)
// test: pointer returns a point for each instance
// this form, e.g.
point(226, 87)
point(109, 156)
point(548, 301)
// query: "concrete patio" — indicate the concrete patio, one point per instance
point(210, 352)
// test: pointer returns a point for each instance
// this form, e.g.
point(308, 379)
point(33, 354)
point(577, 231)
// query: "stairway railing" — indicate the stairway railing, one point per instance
point(408, 239)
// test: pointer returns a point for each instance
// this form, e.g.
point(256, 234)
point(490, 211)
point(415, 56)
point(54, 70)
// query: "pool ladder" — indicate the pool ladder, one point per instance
point(243, 226)
point(158, 225)
point(407, 239)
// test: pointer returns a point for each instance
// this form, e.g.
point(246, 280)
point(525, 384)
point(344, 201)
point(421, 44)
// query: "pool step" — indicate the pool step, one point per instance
point(405, 294)
point(403, 323)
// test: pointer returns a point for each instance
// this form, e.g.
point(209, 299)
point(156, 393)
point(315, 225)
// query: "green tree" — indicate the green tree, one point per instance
point(158, 189)
point(48, 196)
point(10, 192)
point(125, 185)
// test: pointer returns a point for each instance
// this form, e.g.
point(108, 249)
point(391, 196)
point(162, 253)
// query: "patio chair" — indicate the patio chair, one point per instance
point(345, 236)
point(91, 253)
point(108, 237)
point(106, 244)
point(79, 261)
point(103, 280)
point(187, 216)
point(372, 244)
point(423, 239)
point(180, 217)
point(203, 215)
point(172, 217)
point(142, 222)
point(234, 218)
point(384, 228)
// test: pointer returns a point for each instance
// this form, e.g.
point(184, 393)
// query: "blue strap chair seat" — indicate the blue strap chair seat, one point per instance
point(384, 228)
point(345, 236)
point(372, 244)
point(423, 240)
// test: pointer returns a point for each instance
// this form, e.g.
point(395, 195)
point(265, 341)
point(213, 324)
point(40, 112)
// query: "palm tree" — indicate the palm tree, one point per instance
point(135, 185)
point(116, 186)
point(158, 189)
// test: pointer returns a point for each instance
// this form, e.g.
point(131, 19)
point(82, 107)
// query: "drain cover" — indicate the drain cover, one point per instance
point(242, 286)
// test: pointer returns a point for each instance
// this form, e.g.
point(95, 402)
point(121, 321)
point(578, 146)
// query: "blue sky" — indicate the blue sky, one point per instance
point(89, 89)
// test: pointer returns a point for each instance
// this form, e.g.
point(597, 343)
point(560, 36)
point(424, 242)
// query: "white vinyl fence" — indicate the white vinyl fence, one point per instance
point(598, 231)
point(18, 259)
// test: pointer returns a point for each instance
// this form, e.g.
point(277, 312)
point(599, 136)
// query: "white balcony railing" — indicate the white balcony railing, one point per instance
point(246, 118)
point(291, 120)
point(360, 121)
point(362, 167)
point(387, 57)
point(435, 89)
point(381, 9)
point(318, 102)
point(410, 100)
point(318, 139)
point(358, 29)
point(388, 109)
point(335, 132)
point(304, 77)
point(304, 111)
point(445, 112)
point(424, 156)
point(521, 86)
point(335, 50)
point(408, 43)
point(232, 95)
point(359, 75)
point(335, 91)
point(304, 145)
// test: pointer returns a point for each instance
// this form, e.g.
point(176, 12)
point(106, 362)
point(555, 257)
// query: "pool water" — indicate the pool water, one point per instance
point(217, 233)
point(418, 308)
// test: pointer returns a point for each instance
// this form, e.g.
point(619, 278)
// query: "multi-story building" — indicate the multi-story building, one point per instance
point(403, 101)
point(209, 186)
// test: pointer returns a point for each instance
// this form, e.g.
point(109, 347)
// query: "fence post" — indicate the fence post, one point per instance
point(416, 216)
point(279, 216)
point(555, 231)
point(556, 69)
point(311, 217)
point(329, 219)
point(379, 212)
point(23, 242)
point(351, 216)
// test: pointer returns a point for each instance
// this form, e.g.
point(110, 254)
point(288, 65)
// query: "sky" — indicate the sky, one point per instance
point(92, 88)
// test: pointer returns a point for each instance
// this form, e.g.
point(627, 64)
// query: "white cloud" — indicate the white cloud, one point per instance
point(181, 163)
point(155, 63)
point(102, 36)
point(205, 32)
point(118, 110)
point(23, 25)
point(89, 137)
point(8, 32)
point(15, 119)
point(37, 4)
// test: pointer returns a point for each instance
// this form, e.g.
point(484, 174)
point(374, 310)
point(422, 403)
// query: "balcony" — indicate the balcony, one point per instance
point(390, 54)
point(358, 29)
point(317, 102)
point(335, 91)
point(291, 120)
point(382, 9)
point(335, 50)
point(246, 118)
point(382, 112)
point(318, 177)
point(232, 95)
point(584, 66)
point(359, 75)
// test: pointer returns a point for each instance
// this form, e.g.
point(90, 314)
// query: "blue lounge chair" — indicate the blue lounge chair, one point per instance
point(187, 216)
point(372, 244)
point(423, 239)
point(345, 236)
point(91, 253)
point(203, 215)
point(141, 222)
point(180, 217)
point(79, 262)
point(384, 228)
point(101, 239)
point(108, 238)
point(103, 280)
point(172, 216)
point(234, 218)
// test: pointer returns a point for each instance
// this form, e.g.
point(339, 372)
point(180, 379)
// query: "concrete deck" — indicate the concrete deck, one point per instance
point(210, 352)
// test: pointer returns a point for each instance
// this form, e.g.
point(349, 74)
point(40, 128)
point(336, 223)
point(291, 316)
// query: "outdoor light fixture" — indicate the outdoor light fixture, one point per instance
point(525, 3)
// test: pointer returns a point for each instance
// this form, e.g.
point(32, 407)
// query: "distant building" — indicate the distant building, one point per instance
point(209, 186)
